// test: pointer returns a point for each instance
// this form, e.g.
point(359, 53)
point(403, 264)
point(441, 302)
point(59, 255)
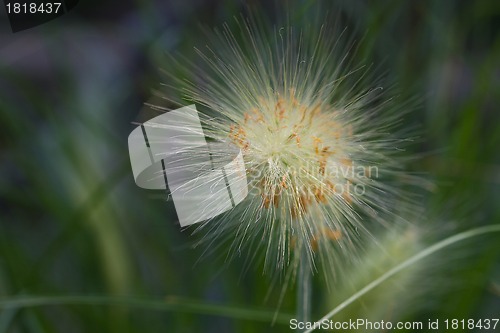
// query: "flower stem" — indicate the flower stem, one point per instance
point(304, 288)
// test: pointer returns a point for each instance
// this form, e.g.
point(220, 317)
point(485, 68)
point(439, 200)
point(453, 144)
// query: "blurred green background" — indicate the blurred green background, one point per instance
point(73, 225)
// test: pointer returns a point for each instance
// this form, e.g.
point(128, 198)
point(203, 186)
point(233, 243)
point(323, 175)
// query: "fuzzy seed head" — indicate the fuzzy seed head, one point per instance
point(290, 144)
point(315, 136)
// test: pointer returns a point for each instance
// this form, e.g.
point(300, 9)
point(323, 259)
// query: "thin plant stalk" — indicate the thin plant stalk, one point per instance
point(304, 288)
point(409, 262)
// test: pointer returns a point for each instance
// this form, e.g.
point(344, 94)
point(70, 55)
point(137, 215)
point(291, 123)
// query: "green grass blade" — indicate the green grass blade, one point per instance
point(170, 304)
point(419, 256)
